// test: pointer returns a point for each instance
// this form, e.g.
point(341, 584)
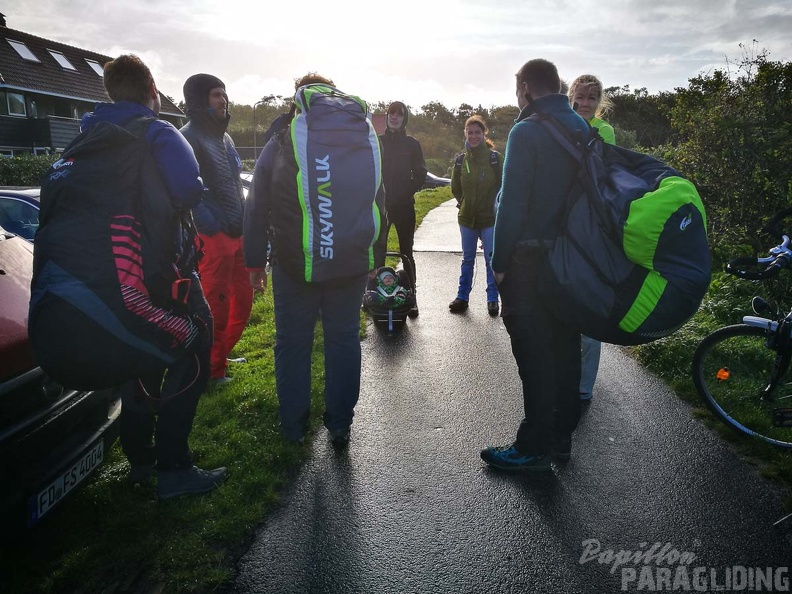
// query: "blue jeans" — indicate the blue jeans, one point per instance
point(470, 239)
point(590, 358)
point(298, 305)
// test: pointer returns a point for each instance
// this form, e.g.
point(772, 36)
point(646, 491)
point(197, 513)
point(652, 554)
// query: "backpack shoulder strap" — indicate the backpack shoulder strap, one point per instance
point(460, 158)
point(494, 159)
point(561, 135)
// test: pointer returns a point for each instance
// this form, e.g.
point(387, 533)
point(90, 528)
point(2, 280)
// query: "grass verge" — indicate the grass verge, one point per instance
point(112, 537)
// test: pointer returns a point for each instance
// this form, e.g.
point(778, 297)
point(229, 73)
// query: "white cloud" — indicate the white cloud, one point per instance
point(452, 51)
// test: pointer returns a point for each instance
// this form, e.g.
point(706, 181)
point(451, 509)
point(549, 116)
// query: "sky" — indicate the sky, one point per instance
point(417, 51)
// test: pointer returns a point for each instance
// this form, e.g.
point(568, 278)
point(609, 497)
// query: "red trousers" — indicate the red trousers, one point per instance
point(227, 289)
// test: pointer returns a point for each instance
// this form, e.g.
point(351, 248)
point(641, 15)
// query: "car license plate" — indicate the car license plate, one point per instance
point(66, 481)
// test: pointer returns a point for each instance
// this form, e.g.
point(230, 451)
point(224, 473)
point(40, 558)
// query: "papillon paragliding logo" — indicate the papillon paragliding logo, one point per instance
point(60, 168)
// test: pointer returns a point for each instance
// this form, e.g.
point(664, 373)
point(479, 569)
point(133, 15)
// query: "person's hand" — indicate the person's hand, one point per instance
point(499, 276)
point(258, 280)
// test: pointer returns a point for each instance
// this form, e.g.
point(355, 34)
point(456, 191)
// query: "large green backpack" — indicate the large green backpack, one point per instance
point(632, 263)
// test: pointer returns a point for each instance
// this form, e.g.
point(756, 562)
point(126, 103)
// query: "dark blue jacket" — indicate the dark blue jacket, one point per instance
point(538, 175)
point(175, 159)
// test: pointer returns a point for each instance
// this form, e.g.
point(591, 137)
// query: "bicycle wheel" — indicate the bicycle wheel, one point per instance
point(732, 368)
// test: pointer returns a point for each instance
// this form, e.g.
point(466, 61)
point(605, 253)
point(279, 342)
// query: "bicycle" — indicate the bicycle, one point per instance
point(740, 370)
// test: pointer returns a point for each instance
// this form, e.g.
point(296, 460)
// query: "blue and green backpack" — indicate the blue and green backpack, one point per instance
point(331, 162)
point(632, 263)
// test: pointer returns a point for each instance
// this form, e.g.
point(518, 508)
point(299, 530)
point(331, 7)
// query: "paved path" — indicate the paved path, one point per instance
point(410, 507)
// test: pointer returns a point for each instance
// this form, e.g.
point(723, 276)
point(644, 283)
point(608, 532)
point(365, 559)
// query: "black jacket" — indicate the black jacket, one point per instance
point(403, 166)
point(222, 207)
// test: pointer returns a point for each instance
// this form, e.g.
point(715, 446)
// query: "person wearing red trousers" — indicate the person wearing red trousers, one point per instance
point(219, 215)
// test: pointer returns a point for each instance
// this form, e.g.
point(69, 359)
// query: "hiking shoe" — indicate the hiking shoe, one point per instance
point(562, 447)
point(340, 438)
point(492, 308)
point(188, 481)
point(458, 305)
point(141, 474)
point(238, 360)
point(413, 311)
point(508, 458)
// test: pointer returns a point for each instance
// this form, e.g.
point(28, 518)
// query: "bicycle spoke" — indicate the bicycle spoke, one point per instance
point(732, 369)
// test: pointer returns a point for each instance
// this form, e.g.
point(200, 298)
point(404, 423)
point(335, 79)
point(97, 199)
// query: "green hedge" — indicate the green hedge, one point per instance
point(25, 171)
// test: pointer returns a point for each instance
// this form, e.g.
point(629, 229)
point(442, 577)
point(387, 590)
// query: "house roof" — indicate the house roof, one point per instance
point(48, 77)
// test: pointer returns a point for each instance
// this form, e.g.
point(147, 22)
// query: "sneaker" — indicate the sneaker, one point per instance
point(188, 481)
point(586, 395)
point(413, 311)
point(458, 305)
point(562, 447)
point(340, 438)
point(492, 308)
point(508, 458)
point(238, 360)
point(141, 474)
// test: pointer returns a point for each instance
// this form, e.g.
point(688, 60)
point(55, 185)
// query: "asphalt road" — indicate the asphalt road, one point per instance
point(409, 507)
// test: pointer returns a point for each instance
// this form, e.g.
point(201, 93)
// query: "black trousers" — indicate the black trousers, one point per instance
point(402, 216)
point(547, 353)
point(157, 411)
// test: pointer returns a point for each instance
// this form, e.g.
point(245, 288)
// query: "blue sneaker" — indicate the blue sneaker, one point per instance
point(508, 458)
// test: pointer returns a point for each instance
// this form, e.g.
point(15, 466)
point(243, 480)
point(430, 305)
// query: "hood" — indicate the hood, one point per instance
point(196, 105)
point(116, 113)
point(403, 108)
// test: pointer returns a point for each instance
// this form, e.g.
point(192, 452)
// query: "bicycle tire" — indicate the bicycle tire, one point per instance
point(731, 369)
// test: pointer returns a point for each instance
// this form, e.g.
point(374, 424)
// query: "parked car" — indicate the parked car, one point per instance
point(433, 181)
point(19, 211)
point(247, 178)
point(51, 437)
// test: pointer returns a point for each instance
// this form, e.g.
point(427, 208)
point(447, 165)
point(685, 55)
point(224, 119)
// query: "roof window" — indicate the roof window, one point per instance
point(23, 50)
point(97, 67)
point(61, 59)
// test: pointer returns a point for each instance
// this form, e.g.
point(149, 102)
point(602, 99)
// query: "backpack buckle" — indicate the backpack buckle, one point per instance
point(179, 290)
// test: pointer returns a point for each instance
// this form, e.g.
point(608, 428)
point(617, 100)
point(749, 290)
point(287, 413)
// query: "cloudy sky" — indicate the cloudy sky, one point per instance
point(414, 50)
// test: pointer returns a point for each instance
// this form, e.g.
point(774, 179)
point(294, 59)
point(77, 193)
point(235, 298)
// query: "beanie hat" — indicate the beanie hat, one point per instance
point(196, 92)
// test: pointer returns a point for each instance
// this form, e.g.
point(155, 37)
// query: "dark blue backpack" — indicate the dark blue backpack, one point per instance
point(328, 181)
point(108, 296)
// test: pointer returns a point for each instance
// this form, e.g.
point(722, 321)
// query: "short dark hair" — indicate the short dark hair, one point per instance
point(541, 76)
point(312, 78)
point(127, 78)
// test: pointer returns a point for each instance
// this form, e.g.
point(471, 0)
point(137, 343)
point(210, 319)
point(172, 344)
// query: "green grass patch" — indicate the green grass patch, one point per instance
point(116, 538)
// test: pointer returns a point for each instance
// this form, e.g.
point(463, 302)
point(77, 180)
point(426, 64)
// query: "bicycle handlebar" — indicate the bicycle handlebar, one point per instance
point(780, 257)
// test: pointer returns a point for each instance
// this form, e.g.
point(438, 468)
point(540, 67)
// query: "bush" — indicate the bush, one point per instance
point(25, 171)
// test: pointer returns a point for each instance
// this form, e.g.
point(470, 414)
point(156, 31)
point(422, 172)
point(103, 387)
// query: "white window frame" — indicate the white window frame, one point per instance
point(21, 97)
point(6, 154)
point(96, 66)
point(23, 50)
point(61, 59)
point(40, 150)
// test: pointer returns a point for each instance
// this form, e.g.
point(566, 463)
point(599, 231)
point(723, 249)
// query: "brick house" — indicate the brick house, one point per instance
point(45, 88)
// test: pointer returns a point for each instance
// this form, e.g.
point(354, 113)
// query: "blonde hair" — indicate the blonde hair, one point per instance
point(589, 80)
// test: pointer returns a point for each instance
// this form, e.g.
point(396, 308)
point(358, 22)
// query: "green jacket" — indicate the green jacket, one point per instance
point(475, 186)
point(605, 130)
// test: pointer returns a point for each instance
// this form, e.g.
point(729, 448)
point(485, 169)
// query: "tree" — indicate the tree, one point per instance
point(735, 145)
